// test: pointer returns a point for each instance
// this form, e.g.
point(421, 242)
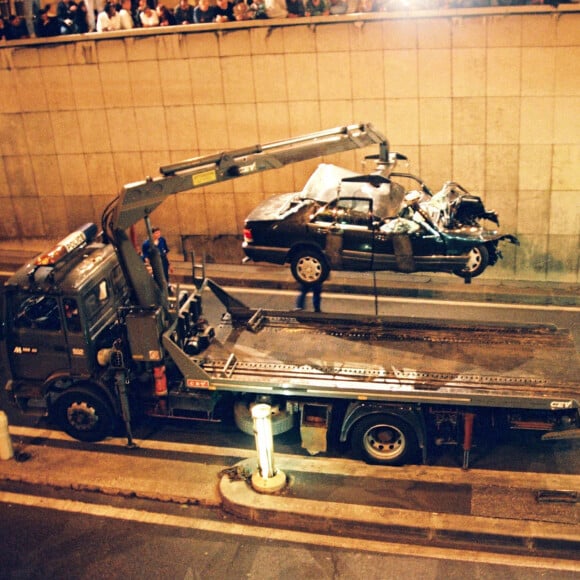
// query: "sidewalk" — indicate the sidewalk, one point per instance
point(413, 502)
point(425, 285)
point(438, 286)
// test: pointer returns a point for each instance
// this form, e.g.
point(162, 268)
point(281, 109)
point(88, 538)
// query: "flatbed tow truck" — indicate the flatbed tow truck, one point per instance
point(93, 339)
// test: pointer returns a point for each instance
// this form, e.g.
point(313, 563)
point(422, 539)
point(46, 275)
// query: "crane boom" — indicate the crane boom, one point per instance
point(138, 200)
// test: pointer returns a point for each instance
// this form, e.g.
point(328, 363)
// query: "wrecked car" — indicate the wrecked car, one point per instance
point(342, 220)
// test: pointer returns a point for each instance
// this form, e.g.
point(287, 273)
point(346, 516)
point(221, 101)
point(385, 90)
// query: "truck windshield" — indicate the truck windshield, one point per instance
point(37, 312)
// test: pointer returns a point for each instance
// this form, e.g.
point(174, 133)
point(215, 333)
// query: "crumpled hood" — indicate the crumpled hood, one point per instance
point(276, 207)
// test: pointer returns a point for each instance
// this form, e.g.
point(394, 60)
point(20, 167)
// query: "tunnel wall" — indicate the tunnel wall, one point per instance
point(489, 98)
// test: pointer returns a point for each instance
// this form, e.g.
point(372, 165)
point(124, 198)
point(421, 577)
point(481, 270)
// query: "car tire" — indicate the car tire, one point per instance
point(309, 268)
point(476, 264)
point(385, 440)
point(84, 414)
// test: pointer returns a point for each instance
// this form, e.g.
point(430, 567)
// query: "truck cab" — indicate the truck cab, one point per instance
point(59, 311)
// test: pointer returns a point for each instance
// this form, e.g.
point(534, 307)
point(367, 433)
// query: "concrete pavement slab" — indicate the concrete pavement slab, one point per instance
point(128, 475)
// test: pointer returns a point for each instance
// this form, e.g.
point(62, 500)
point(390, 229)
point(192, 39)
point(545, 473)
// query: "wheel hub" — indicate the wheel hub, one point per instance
point(82, 417)
point(473, 261)
point(309, 269)
point(385, 442)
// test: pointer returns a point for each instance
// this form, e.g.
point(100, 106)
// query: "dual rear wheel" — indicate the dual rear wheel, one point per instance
point(385, 440)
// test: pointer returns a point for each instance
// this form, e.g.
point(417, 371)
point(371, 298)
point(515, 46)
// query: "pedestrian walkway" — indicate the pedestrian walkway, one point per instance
point(422, 285)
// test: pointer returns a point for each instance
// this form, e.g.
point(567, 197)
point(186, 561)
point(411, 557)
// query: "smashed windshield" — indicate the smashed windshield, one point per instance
point(326, 184)
point(323, 184)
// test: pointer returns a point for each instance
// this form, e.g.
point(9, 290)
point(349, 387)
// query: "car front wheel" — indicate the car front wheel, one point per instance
point(309, 267)
point(476, 263)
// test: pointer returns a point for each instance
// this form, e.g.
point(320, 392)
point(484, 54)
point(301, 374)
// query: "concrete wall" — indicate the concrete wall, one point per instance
point(489, 97)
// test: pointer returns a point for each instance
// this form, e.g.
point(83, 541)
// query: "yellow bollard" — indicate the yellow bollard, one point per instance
point(6, 450)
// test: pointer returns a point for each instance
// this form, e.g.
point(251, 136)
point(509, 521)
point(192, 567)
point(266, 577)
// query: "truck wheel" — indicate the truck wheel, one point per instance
point(385, 440)
point(282, 421)
point(309, 267)
point(84, 414)
point(476, 264)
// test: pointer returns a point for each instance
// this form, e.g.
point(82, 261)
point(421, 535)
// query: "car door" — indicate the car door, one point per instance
point(408, 244)
point(347, 222)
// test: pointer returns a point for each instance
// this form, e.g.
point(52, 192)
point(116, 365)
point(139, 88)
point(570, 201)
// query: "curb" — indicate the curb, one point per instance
point(241, 500)
point(418, 285)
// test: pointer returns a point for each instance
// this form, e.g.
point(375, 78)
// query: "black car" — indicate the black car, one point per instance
point(345, 221)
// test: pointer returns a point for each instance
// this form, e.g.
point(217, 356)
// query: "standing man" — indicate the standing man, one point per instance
point(316, 290)
point(161, 244)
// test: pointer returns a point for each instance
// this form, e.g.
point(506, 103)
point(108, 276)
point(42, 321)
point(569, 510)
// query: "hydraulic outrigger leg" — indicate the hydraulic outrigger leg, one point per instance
point(467, 437)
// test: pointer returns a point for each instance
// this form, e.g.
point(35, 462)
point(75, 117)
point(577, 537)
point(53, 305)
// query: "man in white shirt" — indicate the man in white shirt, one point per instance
point(276, 9)
point(125, 15)
point(108, 19)
point(149, 17)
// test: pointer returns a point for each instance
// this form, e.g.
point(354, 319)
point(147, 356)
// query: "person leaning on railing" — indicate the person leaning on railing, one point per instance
point(46, 23)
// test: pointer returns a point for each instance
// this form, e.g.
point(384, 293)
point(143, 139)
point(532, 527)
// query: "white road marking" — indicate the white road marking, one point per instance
point(392, 299)
point(397, 300)
point(287, 536)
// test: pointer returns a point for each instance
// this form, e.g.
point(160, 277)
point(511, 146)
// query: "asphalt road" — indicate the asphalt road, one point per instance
point(82, 538)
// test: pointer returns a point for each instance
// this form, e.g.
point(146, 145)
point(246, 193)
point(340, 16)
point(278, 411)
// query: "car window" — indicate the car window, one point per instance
point(71, 313)
point(346, 211)
point(353, 212)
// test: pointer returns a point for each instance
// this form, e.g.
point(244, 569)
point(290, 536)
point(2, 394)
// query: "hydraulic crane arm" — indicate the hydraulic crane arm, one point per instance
point(138, 200)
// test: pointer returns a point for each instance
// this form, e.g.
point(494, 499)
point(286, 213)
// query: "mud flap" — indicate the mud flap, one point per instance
point(333, 248)
point(403, 253)
point(314, 422)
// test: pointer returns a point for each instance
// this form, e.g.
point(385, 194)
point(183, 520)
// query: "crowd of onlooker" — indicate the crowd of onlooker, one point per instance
point(81, 16)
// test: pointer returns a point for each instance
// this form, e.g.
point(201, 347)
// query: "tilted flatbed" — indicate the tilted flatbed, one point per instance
point(523, 376)
point(402, 359)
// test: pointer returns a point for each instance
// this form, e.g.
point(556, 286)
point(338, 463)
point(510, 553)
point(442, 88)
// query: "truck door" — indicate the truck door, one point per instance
point(75, 337)
point(35, 341)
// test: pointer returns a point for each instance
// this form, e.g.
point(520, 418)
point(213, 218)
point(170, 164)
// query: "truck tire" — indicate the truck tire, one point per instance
point(84, 414)
point(476, 264)
point(282, 421)
point(385, 440)
point(309, 267)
